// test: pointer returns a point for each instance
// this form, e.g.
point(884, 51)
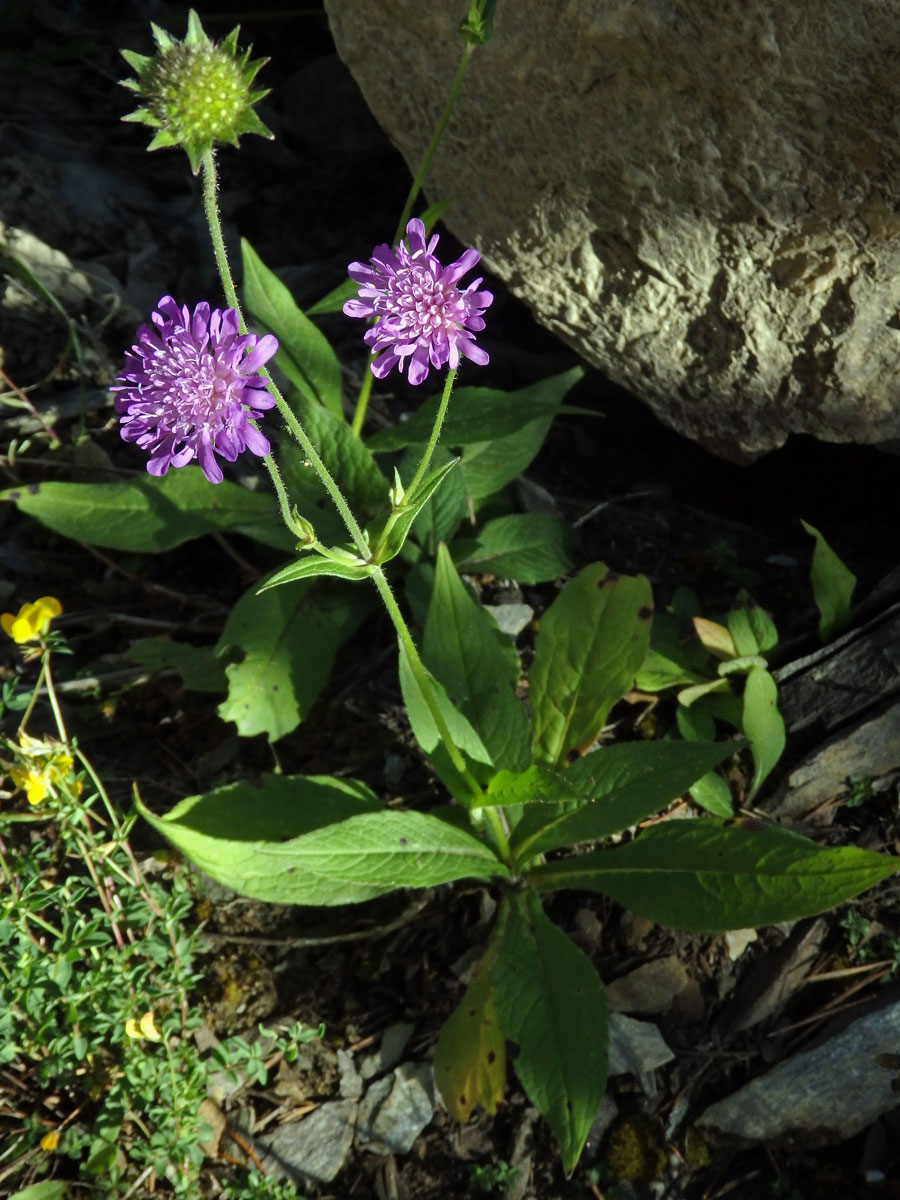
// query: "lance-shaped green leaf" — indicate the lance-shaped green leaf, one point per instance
point(763, 724)
point(551, 1005)
point(426, 733)
point(832, 583)
point(237, 834)
point(529, 547)
point(289, 637)
point(151, 514)
point(313, 565)
point(590, 645)
point(477, 666)
point(304, 353)
point(616, 787)
point(709, 875)
point(387, 537)
point(343, 862)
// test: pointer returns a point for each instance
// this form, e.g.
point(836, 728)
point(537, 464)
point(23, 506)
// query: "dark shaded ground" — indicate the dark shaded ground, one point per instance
point(323, 193)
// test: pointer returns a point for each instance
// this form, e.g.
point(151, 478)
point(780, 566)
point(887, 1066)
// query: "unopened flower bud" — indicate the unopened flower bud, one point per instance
point(196, 92)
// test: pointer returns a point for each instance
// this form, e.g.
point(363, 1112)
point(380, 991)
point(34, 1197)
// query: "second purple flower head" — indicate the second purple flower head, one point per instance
point(421, 314)
point(191, 388)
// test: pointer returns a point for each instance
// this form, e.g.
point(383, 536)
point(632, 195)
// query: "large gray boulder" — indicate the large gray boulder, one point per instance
point(700, 196)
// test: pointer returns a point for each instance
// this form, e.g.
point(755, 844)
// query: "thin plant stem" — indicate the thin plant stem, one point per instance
point(422, 467)
point(54, 703)
point(435, 433)
point(362, 403)
point(29, 708)
point(365, 391)
point(102, 793)
point(211, 209)
point(421, 675)
point(416, 185)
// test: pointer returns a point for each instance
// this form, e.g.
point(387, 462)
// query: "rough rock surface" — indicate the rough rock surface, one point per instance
point(833, 1090)
point(700, 198)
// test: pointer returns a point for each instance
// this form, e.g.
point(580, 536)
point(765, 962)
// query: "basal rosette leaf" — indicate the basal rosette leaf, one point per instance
point(470, 1056)
point(552, 1006)
point(710, 875)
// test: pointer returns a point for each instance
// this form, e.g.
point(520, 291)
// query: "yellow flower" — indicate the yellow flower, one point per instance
point(50, 1140)
point(32, 620)
point(43, 770)
point(146, 1028)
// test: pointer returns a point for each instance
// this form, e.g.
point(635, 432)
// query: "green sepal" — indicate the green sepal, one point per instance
point(387, 537)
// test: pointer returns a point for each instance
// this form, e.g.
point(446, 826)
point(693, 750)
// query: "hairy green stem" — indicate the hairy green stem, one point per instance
point(211, 209)
point(435, 433)
point(421, 675)
point(421, 469)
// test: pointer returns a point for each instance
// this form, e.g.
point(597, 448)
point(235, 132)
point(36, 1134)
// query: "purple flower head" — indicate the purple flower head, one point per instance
point(188, 391)
point(421, 313)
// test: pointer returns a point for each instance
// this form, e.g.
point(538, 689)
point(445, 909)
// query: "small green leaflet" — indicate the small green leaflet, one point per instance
point(622, 785)
point(315, 564)
point(762, 724)
point(833, 584)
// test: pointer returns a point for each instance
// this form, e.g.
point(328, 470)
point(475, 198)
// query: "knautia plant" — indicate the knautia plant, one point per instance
point(540, 798)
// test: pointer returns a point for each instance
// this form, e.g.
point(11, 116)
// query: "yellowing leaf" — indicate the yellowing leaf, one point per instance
point(470, 1058)
point(716, 638)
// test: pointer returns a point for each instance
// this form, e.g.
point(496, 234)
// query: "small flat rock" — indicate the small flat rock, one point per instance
point(314, 1148)
point(737, 941)
point(635, 1047)
point(649, 988)
point(351, 1082)
point(393, 1042)
point(511, 618)
point(396, 1109)
point(832, 1090)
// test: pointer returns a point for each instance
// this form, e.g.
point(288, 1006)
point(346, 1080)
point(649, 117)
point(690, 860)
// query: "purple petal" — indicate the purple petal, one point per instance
point(466, 261)
point(265, 348)
point(255, 441)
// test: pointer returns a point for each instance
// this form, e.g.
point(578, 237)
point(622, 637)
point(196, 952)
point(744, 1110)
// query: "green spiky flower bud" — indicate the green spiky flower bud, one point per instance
point(196, 92)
